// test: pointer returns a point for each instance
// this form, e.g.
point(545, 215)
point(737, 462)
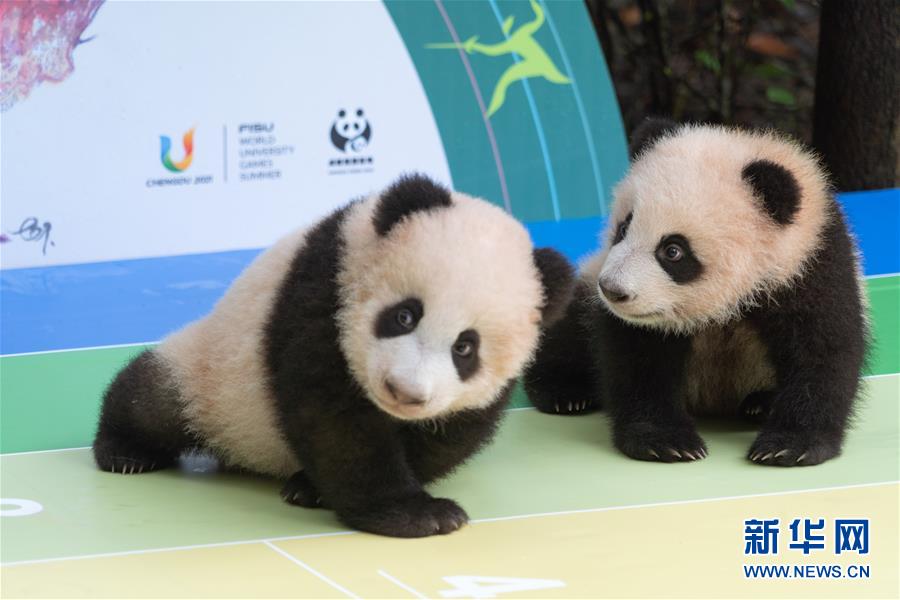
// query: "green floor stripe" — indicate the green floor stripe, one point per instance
point(51, 400)
point(884, 297)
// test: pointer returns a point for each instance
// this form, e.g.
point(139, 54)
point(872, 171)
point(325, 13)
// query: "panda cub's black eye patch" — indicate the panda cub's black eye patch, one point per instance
point(675, 256)
point(465, 353)
point(622, 229)
point(399, 319)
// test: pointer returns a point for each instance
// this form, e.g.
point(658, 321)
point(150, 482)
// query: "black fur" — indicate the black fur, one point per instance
point(640, 371)
point(775, 187)
point(648, 133)
point(622, 229)
point(408, 195)
point(467, 366)
point(685, 269)
point(363, 463)
point(816, 336)
point(558, 281)
point(562, 379)
point(387, 324)
point(141, 424)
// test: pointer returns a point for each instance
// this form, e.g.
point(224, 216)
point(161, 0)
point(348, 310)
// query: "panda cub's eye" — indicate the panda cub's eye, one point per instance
point(463, 349)
point(673, 252)
point(622, 230)
point(405, 318)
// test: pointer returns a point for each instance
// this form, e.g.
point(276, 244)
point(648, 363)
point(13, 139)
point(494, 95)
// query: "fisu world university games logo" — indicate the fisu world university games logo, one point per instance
point(165, 147)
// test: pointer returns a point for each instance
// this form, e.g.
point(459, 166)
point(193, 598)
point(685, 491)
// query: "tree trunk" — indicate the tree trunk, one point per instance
point(856, 123)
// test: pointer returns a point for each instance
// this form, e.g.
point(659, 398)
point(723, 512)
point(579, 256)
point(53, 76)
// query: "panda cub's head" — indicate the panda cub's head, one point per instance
point(442, 298)
point(708, 220)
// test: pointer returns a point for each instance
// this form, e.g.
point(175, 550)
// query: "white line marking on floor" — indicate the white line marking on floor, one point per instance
point(59, 350)
point(681, 502)
point(299, 562)
point(399, 583)
point(176, 548)
point(488, 520)
point(46, 451)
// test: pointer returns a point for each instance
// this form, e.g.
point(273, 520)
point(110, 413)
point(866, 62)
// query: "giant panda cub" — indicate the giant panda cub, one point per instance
point(359, 359)
point(727, 285)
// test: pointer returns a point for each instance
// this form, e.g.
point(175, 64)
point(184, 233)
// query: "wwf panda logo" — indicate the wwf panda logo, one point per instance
point(351, 131)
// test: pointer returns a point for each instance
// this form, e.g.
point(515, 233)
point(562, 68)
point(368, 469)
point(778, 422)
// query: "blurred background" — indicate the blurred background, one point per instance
point(825, 71)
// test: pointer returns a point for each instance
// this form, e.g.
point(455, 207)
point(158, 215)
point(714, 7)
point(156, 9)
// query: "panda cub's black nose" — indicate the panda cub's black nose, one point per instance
point(612, 293)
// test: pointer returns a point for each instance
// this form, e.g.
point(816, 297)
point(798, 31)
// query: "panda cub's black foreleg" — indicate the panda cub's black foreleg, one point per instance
point(355, 463)
point(810, 409)
point(561, 378)
point(300, 491)
point(641, 371)
point(142, 427)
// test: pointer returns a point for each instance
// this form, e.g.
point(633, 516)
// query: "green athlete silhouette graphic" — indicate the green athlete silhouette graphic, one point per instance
point(534, 60)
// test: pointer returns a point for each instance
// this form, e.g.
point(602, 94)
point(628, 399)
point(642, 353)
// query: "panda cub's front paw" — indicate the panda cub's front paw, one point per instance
point(299, 491)
point(647, 441)
point(420, 515)
point(793, 449)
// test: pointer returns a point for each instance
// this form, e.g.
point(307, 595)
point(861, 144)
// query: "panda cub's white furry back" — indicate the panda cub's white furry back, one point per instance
point(727, 284)
point(359, 358)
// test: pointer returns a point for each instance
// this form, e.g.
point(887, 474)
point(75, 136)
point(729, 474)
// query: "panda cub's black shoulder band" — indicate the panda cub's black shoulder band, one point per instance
point(411, 193)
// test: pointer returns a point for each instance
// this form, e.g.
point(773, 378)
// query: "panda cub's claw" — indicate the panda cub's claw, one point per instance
point(567, 407)
point(299, 491)
point(644, 441)
point(791, 449)
point(126, 458)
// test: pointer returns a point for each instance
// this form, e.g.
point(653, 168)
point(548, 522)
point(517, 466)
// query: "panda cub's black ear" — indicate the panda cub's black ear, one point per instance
point(648, 132)
point(775, 187)
point(407, 195)
point(558, 280)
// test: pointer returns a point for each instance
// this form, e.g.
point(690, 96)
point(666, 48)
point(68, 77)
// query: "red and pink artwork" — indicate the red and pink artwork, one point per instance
point(37, 39)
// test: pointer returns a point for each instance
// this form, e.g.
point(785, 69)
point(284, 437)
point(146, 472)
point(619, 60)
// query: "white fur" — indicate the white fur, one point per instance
point(219, 364)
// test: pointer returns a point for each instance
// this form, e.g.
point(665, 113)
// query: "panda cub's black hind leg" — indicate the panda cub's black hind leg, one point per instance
point(560, 380)
point(757, 406)
point(142, 427)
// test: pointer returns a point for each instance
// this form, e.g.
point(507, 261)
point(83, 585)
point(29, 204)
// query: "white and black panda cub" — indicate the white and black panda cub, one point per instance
point(360, 358)
point(728, 284)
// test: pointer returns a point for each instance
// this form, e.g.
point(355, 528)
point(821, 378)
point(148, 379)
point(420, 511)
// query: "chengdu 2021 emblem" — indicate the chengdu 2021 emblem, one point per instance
point(165, 147)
